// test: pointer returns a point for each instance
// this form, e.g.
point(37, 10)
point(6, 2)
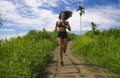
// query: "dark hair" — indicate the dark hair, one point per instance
point(67, 13)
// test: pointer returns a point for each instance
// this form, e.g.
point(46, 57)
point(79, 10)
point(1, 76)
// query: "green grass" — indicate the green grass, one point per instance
point(102, 49)
point(27, 56)
point(83, 75)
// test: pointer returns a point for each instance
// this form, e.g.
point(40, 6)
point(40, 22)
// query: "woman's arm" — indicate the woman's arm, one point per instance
point(68, 26)
point(56, 26)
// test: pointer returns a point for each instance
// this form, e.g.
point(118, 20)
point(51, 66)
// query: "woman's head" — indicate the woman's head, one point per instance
point(65, 15)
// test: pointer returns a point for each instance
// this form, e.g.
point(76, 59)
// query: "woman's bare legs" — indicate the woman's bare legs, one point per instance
point(60, 48)
point(65, 44)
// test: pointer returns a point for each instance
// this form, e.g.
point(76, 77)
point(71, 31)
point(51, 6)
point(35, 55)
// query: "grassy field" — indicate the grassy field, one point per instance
point(102, 48)
point(27, 56)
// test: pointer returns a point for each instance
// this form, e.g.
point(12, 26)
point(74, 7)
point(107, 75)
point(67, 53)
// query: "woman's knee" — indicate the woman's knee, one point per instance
point(60, 46)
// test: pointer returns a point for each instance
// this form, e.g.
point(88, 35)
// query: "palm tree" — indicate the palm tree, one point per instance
point(94, 27)
point(81, 9)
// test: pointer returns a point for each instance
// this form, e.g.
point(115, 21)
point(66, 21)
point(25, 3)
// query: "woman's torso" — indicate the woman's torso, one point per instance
point(61, 25)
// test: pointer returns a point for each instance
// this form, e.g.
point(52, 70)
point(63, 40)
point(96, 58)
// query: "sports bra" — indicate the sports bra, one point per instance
point(62, 24)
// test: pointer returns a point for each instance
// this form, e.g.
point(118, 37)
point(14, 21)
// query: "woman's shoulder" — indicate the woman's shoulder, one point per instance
point(58, 21)
point(67, 22)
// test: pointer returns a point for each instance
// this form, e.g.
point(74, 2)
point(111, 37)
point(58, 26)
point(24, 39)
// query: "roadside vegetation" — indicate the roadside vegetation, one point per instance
point(27, 56)
point(100, 48)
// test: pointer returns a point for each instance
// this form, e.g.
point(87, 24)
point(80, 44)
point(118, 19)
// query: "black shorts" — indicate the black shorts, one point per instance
point(62, 34)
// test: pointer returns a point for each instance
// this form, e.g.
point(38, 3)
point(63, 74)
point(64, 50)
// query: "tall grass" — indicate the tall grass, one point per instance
point(27, 56)
point(102, 49)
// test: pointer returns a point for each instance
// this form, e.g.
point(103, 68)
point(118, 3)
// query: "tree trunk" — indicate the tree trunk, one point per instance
point(80, 24)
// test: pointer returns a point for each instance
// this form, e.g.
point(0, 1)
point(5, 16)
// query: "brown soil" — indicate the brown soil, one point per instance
point(74, 67)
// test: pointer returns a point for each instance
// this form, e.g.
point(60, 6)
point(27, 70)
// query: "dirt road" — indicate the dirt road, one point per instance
point(74, 67)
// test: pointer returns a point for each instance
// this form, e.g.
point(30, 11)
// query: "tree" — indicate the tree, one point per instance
point(94, 27)
point(81, 9)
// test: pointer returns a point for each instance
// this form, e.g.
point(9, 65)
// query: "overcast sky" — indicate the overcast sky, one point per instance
point(20, 16)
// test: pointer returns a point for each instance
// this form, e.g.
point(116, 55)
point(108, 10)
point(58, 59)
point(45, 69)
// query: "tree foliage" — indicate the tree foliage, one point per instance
point(81, 9)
